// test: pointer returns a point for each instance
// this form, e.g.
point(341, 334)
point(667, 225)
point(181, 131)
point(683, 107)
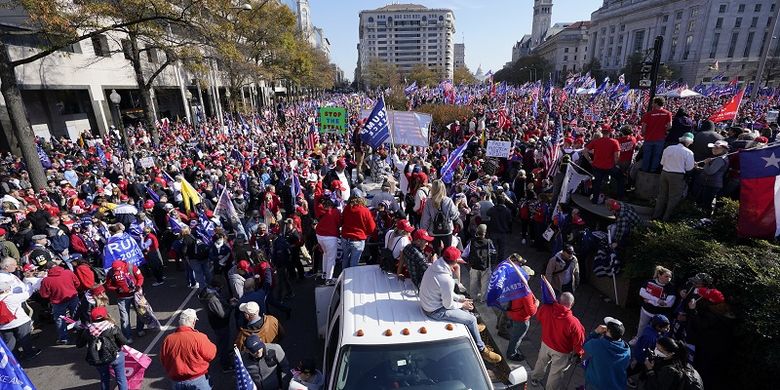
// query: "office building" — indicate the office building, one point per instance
point(460, 55)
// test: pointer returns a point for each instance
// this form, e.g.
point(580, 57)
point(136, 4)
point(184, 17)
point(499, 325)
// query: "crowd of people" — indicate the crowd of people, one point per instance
point(244, 205)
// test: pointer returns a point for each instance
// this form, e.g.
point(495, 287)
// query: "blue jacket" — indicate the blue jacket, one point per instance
point(646, 341)
point(607, 364)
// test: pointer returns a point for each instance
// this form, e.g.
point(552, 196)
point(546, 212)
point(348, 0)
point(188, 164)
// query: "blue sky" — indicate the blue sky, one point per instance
point(489, 28)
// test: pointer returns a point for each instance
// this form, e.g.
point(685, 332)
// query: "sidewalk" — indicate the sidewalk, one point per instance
point(590, 307)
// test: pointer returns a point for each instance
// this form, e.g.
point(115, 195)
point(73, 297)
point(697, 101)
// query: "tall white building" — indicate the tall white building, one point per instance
point(565, 47)
point(315, 35)
point(697, 34)
point(407, 35)
point(541, 21)
point(460, 55)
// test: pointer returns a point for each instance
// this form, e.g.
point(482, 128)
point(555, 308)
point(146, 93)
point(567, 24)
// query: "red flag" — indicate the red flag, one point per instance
point(759, 206)
point(729, 110)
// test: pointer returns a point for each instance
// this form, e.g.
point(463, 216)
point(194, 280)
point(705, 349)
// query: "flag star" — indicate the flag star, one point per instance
point(772, 161)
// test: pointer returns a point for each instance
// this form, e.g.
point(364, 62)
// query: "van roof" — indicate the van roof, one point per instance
point(374, 301)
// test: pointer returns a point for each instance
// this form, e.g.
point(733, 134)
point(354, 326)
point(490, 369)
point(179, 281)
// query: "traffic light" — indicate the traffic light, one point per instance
point(645, 75)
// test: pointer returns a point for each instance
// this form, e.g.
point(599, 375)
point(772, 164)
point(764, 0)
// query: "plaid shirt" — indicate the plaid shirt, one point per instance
point(627, 219)
point(416, 263)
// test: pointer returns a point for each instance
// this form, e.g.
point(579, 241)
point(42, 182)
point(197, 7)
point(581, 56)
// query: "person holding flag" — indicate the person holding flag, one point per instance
point(562, 338)
point(266, 364)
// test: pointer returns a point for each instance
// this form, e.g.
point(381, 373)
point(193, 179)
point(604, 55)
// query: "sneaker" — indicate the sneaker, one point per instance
point(155, 284)
point(489, 356)
point(524, 241)
point(141, 333)
point(62, 342)
point(481, 327)
point(516, 357)
point(195, 286)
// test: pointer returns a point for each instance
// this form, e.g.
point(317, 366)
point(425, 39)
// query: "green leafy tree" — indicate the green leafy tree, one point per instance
point(463, 75)
point(423, 76)
point(380, 74)
point(529, 68)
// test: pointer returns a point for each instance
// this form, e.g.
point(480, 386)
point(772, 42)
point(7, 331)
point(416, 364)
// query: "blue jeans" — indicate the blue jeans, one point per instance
point(461, 317)
point(125, 306)
point(199, 383)
point(651, 155)
point(202, 270)
point(119, 371)
point(517, 331)
point(352, 252)
point(66, 308)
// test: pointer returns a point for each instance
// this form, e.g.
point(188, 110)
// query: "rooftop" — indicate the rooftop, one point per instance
point(405, 7)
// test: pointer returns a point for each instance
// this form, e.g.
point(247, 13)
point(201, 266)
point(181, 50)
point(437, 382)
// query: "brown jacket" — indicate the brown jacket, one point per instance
point(269, 330)
point(557, 270)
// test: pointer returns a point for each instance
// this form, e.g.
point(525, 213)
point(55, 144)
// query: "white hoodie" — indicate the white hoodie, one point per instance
point(437, 288)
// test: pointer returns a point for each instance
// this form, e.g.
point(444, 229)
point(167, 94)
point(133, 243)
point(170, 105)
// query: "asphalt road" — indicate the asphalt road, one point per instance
point(64, 367)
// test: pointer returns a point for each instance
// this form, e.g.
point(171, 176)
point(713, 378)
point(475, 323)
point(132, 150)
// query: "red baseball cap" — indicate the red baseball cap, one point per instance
point(149, 204)
point(404, 225)
point(2, 232)
point(421, 234)
point(341, 163)
point(99, 313)
point(452, 254)
point(243, 265)
point(711, 294)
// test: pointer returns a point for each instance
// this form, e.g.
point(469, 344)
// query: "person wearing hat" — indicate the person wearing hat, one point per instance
point(439, 301)
point(519, 311)
point(186, 354)
point(414, 259)
point(658, 327)
point(7, 248)
point(256, 322)
point(709, 181)
point(395, 241)
point(481, 260)
point(711, 328)
point(104, 344)
point(563, 270)
point(608, 356)
point(307, 374)
point(15, 293)
point(702, 138)
point(385, 195)
point(60, 287)
point(677, 160)
point(237, 276)
point(266, 363)
point(340, 173)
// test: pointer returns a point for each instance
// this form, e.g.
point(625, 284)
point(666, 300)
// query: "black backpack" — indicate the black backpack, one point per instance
point(479, 254)
point(440, 224)
point(100, 275)
point(102, 349)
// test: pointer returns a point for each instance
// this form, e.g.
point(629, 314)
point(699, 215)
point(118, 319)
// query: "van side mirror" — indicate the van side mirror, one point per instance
point(518, 375)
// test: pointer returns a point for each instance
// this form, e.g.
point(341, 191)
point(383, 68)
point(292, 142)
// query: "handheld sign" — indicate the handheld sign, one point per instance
point(333, 120)
point(497, 148)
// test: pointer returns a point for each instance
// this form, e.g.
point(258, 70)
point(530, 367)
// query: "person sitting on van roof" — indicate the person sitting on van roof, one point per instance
point(414, 257)
point(439, 301)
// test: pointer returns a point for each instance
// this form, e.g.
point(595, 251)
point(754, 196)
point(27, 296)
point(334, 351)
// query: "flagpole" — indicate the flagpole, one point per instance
point(776, 143)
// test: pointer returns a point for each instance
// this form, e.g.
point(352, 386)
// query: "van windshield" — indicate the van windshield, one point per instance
point(446, 364)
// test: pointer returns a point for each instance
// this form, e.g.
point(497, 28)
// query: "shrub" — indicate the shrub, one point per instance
point(444, 114)
point(747, 271)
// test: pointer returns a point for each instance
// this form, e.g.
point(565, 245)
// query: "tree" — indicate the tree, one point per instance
point(529, 68)
point(632, 69)
point(59, 24)
point(380, 74)
point(463, 75)
point(594, 67)
point(423, 76)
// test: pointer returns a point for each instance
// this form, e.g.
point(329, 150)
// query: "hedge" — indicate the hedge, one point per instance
point(444, 114)
point(747, 271)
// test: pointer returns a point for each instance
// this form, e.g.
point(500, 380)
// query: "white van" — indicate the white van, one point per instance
point(377, 337)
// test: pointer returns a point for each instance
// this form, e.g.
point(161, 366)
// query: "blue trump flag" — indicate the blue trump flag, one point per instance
point(376, 129)
point(453, 160)
point(12, 374)
point(124, 248)
point(548, 294)
point(45, 161)
point(507, 283)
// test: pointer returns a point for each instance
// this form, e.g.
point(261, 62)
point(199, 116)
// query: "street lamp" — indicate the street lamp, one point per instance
point(116, 99)
point(229, 102)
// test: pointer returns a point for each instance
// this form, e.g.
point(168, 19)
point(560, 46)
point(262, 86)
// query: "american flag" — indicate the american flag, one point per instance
point(243, 380)
point(312, 138)
point(503, 119)
point(552, 149)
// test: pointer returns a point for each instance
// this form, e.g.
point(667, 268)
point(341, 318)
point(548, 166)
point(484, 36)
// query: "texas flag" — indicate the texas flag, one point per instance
point(729, 110)
point(759, 198)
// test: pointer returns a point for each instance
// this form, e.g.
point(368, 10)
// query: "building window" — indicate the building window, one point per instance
point(769, 21)
point(575, 58)
point(772, 8)
point(663, 31)
point(694, 12)
point(639, 39)
point(754, 22)
point(100, 46)
point(672, 48)
point(714, 47)
point(678, 16)
point(371, 19)
point(676, 28)
point(691, 25)
point(763, 41)
point(622, 27)
point(152, 55)
point(733, 44)
point(126, 49)
point(719, 23)
point(748, 44)
point(741, 8)
point(722, 9)
point(688, 43)
point(619, 51)
point(609, 52)
point(565, 58)
point(666, 18)
point(611, 40)
point(73, 48)
point(758, 8)
point(565, 49)
point(738, 23)
point(620, 39)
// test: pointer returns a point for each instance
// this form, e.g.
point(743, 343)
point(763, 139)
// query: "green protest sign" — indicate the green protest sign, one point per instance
point(333, 120)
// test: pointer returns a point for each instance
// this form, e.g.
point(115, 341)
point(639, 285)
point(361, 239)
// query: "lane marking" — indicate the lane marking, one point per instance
point(167, 326)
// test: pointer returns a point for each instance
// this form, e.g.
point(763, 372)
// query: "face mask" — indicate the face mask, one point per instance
point(219, 243)
point(660, 354)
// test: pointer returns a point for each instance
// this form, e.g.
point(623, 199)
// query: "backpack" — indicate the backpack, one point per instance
point(99, 274)
point(4, 251)
point(440, 224)
point(479, 254)
point(5, 314)
point(101, 349)
point(691, 380)
point(388, 261)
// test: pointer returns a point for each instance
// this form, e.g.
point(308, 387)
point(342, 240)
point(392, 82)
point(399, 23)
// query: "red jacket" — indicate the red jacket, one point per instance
point(155, 243)
point(59, 285)
point(358, 223)
point(186, 354)
point(561, 331)
point(117, 279)
point(522, 309)
point(86, 277)
point(328, 221)
point(77, 244)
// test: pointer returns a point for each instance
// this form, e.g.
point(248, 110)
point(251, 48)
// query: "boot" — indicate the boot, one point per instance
point(481, 327)
point(489, 356)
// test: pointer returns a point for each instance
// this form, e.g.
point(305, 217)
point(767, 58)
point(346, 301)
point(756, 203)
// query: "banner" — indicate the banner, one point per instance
point(759, 193)
point(122, 248)
point(333, 120)
point(406, 127)
point(507, 283)
point(12, 375)
point(452, 162)
point(45, 161)
point(497, 148)
point(729, 110)
point(225, 209)
point(376, 131)
point(146, 162)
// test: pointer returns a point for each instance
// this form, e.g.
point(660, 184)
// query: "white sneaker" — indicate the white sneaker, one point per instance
point(524, 241)
point(196, 285)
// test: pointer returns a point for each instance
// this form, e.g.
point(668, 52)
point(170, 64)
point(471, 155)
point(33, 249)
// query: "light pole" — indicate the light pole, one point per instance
point(116, 99)
point(229, 102)
point(188, 95)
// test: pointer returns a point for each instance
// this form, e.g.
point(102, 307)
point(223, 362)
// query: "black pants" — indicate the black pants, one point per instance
point(441, 242)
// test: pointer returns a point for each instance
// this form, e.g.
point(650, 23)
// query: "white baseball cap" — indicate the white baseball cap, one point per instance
point(249, 308)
